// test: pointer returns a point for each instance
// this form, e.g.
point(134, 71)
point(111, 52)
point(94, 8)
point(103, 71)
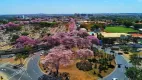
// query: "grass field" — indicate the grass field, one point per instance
point(119, 29)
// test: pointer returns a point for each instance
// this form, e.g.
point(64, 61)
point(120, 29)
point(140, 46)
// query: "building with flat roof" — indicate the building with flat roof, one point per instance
point(113, 35)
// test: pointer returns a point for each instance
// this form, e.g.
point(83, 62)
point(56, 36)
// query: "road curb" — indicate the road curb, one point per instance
point(40, 68)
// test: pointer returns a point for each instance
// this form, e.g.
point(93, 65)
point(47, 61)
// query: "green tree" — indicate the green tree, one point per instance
point(135, 60)
point(25, 33)
point(134, 73)
point(127, 23)
point(20, 56)
point(14, 37)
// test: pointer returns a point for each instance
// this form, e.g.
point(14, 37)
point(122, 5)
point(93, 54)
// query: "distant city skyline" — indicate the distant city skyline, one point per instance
point(69, 6)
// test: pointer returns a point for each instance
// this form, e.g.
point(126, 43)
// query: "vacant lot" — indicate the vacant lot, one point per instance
point(119, 29)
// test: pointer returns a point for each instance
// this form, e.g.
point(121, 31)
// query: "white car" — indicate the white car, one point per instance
point(41, 54)
point(114, 78)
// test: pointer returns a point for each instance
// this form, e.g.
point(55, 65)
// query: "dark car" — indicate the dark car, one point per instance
point(119, 65)
point(15, 67)
point(112, 51)
point(120, 53)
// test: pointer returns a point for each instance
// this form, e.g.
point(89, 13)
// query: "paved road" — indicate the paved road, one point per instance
point(118, 72)
point(32, 72)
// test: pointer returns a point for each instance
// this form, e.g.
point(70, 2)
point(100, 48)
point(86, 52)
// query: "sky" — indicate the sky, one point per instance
point(69, 6)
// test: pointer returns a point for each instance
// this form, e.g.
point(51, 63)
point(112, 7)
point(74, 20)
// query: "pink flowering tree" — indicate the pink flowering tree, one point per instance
point(72, 25)
point(12, 26)
point(69, 42)
point(84, 54)
point(83, 33)
point(58, 56)
point(83, 43)
point(93, 39)
point(24, 41)
point(52, 41)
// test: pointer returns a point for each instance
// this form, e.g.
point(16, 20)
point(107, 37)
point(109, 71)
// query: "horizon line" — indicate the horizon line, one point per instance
point(73, 13)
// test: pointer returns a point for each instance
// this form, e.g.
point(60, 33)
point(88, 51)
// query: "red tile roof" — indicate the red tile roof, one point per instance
point(136, 35)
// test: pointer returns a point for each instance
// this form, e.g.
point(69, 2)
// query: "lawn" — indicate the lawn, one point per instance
point(119, 29)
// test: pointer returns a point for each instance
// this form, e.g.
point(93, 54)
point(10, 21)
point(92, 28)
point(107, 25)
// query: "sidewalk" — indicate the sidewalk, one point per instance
point(3, 76)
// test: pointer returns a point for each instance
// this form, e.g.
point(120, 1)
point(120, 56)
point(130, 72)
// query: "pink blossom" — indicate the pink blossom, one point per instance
point(25, 40)
point(84, 53)
point(72, 25)
point(93, 39)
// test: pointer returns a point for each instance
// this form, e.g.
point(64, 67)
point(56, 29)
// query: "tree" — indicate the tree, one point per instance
point(53, 41)
point(135, 60)
point(93, 40)
point(134, 73)
point(59, 56)
point(95, 27)
point(21, 56)
point(83, 43)
point(84, 54)
point(68, 42)
point(14, 37)
point(24, 33)
point(72, 25)
point(25, 40)
point(138, 26)
point(127, 23)
point(82, 33)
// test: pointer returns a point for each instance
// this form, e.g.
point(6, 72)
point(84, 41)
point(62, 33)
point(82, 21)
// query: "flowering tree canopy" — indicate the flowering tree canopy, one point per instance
point(72, 25)
point(53, 41)
point(93, 39)
point(80, 39)
point(25, 40)
point(59, 56)
point(84, 53)
point(83, 33)
point(69, 42)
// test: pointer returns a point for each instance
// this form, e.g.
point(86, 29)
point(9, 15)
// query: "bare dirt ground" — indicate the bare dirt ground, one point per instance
point(76, 74)
point(3, 76)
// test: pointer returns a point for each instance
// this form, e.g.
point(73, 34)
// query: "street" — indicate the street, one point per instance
point(31, 73)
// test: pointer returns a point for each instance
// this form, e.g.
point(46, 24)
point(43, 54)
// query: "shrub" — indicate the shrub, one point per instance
point(99, 75)
point(93, 60)
point(94, 72)
point(64, 76)
point(25, 33)
point(111, 66)
point(84, 65)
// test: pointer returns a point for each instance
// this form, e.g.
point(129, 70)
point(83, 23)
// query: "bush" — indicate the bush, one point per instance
point(99, 75)
point(111, 66)
point(94, 72)
point(84, 65)
point(93, 60)
point(14, 37)
point(64, 76)
point(25, 33)
point(126, 52)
